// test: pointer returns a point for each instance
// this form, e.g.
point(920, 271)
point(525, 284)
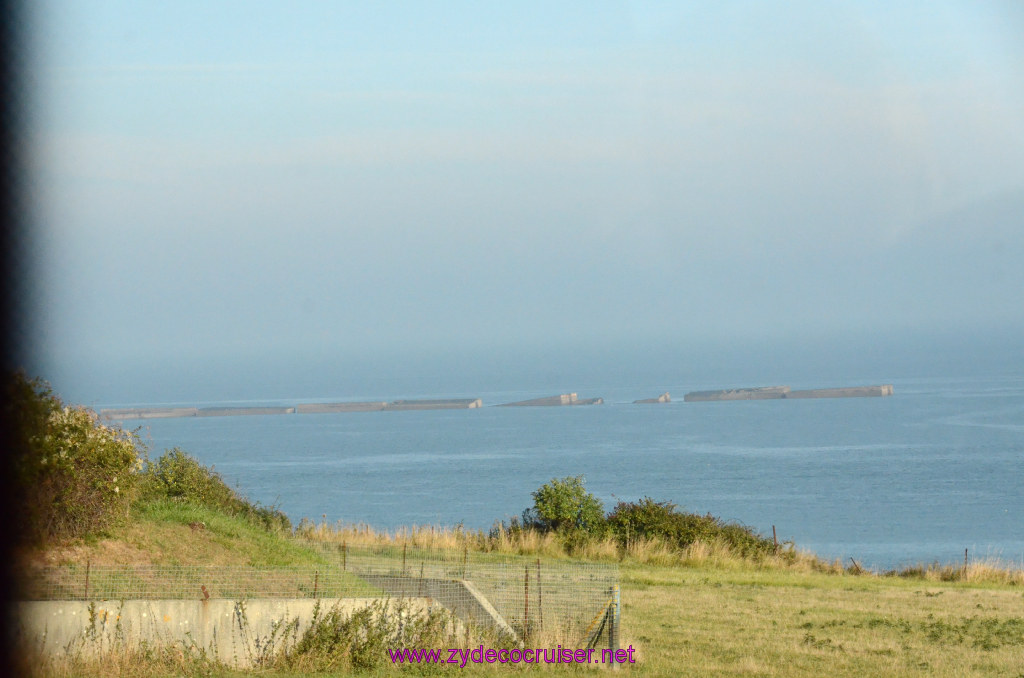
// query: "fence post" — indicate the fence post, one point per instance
point(404, 547)
point(419, 591)
point(540, 601)
point(344, 556)
point(613, 630)
point(316, 583)
point(465, 557)
point(775, 539)
point(526, 603)
point(88, 564)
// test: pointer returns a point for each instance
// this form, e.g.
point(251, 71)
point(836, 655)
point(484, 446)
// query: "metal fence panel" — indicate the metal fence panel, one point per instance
point(549, 599)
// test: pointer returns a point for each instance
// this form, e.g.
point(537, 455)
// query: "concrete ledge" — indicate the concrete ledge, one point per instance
point(233, 632)
point(458, 595)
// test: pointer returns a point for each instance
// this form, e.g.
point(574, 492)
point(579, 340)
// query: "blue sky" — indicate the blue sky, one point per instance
point(250, 178)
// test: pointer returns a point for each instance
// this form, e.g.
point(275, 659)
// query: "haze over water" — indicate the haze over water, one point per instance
point(917, 477)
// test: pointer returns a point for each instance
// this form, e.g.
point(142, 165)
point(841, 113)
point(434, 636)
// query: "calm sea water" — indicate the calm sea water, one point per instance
point(917, 477)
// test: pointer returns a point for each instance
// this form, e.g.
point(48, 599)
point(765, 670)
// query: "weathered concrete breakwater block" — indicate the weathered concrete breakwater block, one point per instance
point(446, 404)
point(784, 393)
point(236, 633)
point(663, 398)
point(148, 413)
point(303, 408)
point(757, 393)
point(242, 411)
point(564, 399)
point(326, 408)
point(847, 392)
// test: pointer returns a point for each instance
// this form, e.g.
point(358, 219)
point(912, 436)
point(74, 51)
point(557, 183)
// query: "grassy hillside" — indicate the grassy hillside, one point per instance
point(169, 532)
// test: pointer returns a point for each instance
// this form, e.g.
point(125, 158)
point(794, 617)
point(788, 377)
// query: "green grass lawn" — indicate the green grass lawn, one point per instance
point(708, 622)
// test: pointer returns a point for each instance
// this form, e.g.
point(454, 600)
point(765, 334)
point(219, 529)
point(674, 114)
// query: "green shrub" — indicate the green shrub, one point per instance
point(76, 476)
point(661, 519)
point(176, 475)
point(360, 640)
point(564, 506)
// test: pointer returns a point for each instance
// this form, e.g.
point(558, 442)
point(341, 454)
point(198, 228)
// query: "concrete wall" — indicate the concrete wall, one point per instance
point(233, 632)
point(459, 596)
point(321, 408)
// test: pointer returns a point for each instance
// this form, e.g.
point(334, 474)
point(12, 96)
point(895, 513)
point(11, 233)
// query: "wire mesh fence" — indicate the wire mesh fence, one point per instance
point(551, 597)
point(181, 582)
point(519, 595)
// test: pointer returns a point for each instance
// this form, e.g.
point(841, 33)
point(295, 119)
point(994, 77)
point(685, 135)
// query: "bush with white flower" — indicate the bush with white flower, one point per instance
point(77, 476)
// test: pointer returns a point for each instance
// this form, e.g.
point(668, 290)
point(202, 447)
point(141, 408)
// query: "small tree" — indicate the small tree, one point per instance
point(564, 505)
point(76, 475)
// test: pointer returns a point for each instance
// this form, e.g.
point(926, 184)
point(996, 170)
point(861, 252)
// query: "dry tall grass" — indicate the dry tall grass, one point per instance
point(643, 551)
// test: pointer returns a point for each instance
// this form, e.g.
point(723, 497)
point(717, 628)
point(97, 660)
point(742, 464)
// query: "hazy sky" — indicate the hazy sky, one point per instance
point(247, 178)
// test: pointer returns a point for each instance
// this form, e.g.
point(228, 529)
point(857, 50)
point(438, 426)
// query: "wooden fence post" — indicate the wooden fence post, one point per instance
point(540, 601)
point(613, 630)
point(526, 603)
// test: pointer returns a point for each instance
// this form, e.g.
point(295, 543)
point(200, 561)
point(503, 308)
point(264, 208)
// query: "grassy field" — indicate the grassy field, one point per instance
point(708, 616)
point(722, 622)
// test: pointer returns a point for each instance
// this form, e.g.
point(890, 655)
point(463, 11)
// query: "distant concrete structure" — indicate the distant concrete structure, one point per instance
point(242, 411)
point(329, 408)
point(302, 408)
point(757, 393)
point(663, 398)
point(147, 413)
point(555, 401)
point(784, 393)
point(846, 392)
point(444, 404)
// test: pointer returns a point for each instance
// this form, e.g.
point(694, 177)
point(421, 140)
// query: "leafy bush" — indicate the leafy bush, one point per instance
point(564, 506)
point(76, 476)
point(661, 519)
point(178, 476)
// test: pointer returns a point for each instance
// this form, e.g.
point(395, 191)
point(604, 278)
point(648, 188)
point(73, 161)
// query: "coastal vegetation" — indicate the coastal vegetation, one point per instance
point(700, 596)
